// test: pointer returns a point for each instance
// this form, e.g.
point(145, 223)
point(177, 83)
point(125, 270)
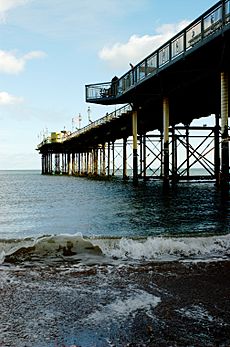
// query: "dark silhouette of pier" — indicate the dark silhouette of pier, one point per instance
point(185, 79)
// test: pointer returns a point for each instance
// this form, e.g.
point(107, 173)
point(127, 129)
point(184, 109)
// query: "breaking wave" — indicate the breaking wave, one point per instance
point(76, 248)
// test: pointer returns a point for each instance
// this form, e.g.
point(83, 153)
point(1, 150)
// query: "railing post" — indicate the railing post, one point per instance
point(223, 12)
point(202, 27)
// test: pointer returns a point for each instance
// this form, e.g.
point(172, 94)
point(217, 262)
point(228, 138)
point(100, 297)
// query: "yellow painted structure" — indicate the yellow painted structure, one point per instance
point(56, 137)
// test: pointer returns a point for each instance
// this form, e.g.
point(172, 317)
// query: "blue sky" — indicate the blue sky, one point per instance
point(49, 50)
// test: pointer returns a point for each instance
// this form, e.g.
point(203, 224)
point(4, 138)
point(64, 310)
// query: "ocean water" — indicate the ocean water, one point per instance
point(33, 205)
point(83, 258)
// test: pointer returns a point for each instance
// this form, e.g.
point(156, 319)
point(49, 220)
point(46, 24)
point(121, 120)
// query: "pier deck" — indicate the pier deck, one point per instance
point(184, 79)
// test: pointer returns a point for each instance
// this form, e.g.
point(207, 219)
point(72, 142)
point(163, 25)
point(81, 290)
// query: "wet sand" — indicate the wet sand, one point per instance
point(145, 304)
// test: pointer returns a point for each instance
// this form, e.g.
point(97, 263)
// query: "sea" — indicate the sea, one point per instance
point(90, 262)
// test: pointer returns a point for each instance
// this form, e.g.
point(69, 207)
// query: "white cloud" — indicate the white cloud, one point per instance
point(138, 47)
point(8, 99)
point(11, 64)
point(7, 5)
point(34, 55)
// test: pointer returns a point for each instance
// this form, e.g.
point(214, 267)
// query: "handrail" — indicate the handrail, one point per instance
point(107, 118)
point(214, 19)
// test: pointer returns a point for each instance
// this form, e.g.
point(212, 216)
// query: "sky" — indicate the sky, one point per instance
point(50, 49)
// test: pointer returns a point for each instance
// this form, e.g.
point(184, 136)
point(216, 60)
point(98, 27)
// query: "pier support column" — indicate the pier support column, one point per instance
point(85, 163)
point(141, 155)
point(69, 164)
point(57, 164)
point(95, 161)
point(135, 165)
point(102, 160)
point(47, 163)
point(187, 151)
point(78, 164)
point(43, 164)
point(174, 155)
point(108, 155)
point(166, 141)
point(50, 164)
point(144, 156)
point(113, 154)
point(217, 150)
point(73, 163)
point(162, 154)
point(125, 159)
point(91, 162)
point(63, 164)
point(82, 164)
point(224, 129)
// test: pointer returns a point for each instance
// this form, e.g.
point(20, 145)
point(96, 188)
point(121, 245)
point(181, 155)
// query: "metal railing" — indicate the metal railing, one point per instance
point(107, 118)
point(216, 18)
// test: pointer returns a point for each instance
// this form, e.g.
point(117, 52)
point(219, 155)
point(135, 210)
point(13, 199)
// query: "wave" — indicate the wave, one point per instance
point(75, 248)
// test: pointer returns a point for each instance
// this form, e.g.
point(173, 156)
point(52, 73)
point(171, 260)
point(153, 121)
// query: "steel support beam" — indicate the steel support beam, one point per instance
point(113, 154)
point(174, 155)
point(224, 129)
point(166, 140)
point(102, 160)
point(108, 155)
point(187, 151)
point(95, 161)
point(217, 150)
point(125, 159)
point(134, 131)
point(69, 164)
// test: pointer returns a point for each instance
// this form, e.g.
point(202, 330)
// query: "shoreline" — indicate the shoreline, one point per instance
point(146, 304)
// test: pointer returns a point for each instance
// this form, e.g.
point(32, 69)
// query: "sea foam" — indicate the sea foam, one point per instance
point(167, 248)
point(152, 248)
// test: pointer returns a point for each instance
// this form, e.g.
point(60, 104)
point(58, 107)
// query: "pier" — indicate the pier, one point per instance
point(152, 135)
